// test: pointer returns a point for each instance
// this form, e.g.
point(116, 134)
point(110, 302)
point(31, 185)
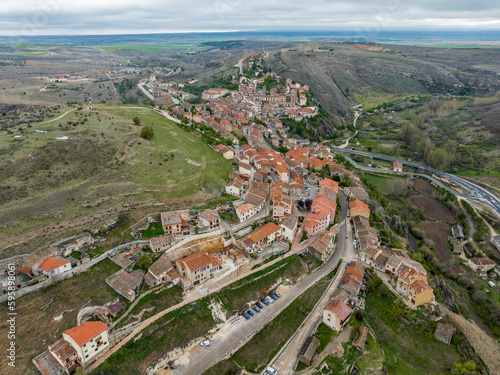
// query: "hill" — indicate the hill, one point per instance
point(341, 76)
point(52, 187)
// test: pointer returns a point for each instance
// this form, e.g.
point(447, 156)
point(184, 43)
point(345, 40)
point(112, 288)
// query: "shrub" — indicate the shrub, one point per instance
point(147, 132)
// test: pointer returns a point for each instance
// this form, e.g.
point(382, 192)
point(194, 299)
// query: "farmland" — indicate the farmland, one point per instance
point(437, 233)
point(432, 209)
point(102, 167)
point(424, 187)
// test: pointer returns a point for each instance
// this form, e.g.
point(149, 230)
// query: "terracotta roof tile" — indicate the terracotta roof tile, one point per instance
point(86, 331)
point(51, 263)
point(340, 308)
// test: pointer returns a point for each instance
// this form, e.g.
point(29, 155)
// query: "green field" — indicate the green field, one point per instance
point(147, 48)
point(36, 48)
point(382, 182)
point(102, 165)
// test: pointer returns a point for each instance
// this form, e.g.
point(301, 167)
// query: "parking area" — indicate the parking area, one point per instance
point(310, 193)
point(273, 249)
point(264, 302)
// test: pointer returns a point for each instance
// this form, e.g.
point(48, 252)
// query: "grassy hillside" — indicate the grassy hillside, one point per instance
point(341, 76)
point(102, 168)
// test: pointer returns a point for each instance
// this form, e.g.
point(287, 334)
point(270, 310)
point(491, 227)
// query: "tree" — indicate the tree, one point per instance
point(147, 132)
point(304, 236)
point(464, 368)
point(340, 158)
point(144, 262)
point(136, 120)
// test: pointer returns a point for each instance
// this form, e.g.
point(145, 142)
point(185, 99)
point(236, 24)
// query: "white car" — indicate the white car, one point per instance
point(260, 251)
point(205, 343)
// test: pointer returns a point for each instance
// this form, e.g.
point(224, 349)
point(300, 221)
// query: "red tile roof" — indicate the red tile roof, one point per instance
point(197, 261)
point(86, 331)
point(357, 204)
point(482, 261)
point(263, 232)
point(340, 308)
point(419, 286)
point(329, 184)
point(51, 263)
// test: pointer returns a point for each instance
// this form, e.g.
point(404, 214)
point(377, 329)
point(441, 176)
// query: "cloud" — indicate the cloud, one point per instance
point(93, 17)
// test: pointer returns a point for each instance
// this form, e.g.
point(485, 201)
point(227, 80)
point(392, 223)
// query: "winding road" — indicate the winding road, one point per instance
point(478, 194)
point(346, 143)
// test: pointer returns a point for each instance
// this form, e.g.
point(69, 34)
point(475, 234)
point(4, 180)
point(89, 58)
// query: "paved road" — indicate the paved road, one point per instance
point(285, 361)
point(249, 328)
point(167, 115)
point(478, 193)
point(146, 92)
point(240, 65)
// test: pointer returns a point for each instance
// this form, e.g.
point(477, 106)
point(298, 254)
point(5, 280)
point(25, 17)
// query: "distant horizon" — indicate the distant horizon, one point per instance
point(484, 38)
point(263, 31)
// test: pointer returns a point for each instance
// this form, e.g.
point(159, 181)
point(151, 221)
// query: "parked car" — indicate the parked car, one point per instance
point(265, 302)
point(245, 315)
point(274, 297)
point(346, 235)
point(260, 251)
point(205, 343)
point(259, 305)
point(256, 309)
point(250, 312)
point(271, 371)
point(279, 295)
point(348, 213)
point(269, 299)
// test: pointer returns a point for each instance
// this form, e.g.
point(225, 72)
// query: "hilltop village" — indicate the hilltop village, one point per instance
point(289, 196)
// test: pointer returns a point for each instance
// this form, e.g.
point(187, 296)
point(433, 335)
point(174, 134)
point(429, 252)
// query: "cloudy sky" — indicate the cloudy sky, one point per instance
point(56, 17)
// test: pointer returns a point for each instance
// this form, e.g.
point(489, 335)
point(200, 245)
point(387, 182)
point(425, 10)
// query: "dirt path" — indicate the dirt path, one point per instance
point(346, 143)
point(52, 120)
point(477, 319)
point(485, 346)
